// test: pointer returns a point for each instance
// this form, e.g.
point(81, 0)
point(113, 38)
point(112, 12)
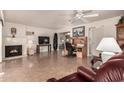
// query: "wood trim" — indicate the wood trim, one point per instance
point(119, 25)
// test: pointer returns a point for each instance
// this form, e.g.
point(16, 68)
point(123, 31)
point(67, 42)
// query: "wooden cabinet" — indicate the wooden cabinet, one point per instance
point(120, 34)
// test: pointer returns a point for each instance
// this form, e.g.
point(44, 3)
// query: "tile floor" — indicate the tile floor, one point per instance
point(39, 68)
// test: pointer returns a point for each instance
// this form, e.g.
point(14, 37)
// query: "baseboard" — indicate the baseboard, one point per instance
point(10, 58)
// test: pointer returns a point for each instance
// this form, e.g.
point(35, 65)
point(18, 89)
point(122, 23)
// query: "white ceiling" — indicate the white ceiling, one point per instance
point(52, 19)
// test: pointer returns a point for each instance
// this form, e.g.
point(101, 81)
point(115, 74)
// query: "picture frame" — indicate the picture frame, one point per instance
point(29, 33)
point(78, 31)
point(13, 32)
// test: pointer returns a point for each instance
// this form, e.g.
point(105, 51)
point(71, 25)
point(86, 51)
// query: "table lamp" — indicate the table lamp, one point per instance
point(30, 43)
point(108, 47)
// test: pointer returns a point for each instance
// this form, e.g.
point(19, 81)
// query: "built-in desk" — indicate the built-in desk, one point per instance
point(81, 52)
point(40, 45)
point(80, 44)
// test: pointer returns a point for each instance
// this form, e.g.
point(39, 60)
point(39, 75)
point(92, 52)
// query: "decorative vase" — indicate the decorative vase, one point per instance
point(55, 42)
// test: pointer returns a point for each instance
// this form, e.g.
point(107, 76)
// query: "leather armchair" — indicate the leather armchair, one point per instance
point(110, 71)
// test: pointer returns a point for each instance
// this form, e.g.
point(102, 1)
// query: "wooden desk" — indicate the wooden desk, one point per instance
point(38, 47)
point(81, 51)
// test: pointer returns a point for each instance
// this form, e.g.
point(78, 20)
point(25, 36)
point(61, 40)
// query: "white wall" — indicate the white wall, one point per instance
point(21, 33)
point(109, 28)
point(108, 25)
point(0, 41)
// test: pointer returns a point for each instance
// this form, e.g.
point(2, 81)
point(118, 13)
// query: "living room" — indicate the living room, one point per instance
point(42, 49)
point(61, 46)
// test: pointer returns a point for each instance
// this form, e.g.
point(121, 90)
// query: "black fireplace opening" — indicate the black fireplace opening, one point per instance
point(13, 50)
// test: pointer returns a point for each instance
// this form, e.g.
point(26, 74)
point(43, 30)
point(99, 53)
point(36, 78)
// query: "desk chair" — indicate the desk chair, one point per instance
point(69, 48)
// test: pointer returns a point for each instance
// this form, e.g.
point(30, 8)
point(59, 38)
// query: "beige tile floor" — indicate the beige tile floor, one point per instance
point(39, 68)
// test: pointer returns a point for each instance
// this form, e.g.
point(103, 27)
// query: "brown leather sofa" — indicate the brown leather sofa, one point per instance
point(111, 71)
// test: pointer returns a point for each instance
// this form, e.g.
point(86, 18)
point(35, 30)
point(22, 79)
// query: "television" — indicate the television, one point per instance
point(43, 40)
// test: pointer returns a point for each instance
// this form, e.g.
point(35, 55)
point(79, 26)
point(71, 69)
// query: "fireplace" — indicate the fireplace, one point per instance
point(13, 50)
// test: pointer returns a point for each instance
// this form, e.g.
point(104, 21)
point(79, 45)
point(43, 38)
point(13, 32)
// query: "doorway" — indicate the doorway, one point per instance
point(95, 35)
point(63, 38)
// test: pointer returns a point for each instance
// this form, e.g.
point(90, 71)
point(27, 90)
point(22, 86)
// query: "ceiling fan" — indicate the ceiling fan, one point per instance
point(81, 15)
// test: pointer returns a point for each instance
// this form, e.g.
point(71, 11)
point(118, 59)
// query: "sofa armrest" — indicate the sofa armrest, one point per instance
point(84, 72)
point(52, 80)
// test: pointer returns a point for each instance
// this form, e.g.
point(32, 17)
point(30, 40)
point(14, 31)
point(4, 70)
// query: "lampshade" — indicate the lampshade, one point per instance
point(108, 44)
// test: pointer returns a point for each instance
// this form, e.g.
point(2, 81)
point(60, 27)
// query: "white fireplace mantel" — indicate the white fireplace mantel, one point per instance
point(15, 41)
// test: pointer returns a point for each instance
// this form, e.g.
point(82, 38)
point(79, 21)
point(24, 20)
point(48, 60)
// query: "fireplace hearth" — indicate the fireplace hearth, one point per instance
point(13, 50)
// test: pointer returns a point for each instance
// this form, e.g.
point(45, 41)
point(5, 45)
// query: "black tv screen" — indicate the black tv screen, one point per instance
point(43, 40)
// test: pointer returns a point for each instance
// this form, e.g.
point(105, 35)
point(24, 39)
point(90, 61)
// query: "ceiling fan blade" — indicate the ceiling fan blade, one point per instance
point(91, 15)
point(72, 20)
point(86, 11)
point(75, 19)
point(84, 20)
